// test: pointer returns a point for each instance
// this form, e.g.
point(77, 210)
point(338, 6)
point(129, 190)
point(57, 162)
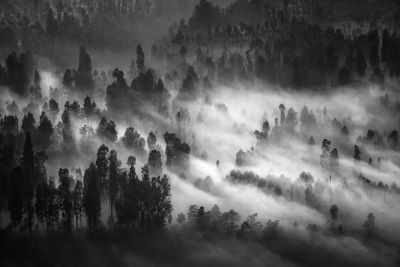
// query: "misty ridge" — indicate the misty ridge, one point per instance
point(199, 133)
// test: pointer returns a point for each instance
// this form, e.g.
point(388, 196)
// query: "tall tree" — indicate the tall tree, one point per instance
point(83, 77)
point(91, 196)
point(114, 172)
point(102, 167)
point(155, 164)
point(140, 59)
point(77, 200)
point(28, 178)
point(15, 197)
point(64, 191)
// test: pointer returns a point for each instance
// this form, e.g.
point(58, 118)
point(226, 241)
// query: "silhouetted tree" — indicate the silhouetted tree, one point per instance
point(91, 196)
point(16, 197)
point(155, 164)
point(357, 153)
point(114, 173)
point(54, 109)
point(177, 153)
point(77, 202)
point(64, 191)
point(83, 76)
point(140, 59)
point(45, 131)
point(28, 179)
point(28, 123)
point(361, 64)
point(102, 167)
point(107, 130)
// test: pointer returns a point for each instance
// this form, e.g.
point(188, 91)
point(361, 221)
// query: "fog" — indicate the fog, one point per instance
point(201, 133)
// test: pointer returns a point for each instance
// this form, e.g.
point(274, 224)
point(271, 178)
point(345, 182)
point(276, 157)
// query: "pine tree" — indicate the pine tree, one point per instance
point(28, 179)
point(91, 196)
point(28, 123)
point(102, 167)
point(15, 197)
point(114, 172)
point(155, 164)
point(140, 59)
point(78, 202)
point(44, 131)
point(64, 191)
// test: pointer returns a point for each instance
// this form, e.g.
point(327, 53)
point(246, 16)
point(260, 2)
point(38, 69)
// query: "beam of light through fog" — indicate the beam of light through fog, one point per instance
point(223, 132)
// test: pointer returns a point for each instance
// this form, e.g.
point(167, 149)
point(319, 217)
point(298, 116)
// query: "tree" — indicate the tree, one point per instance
point(102, 167)
point(307, 119)
point(177, 153)
point(68, 78)
point(344, 131)
point(28, 179)
point(385, 45)
point(393, 139)
point(89, 107)
point(114, 172)
point(64, 191)
point(77, 200)
point(201, 218)
point(54, 109)
point(44, 131)
point(183, 51)
point(357, 153)
point(189, 84)
point(42, 192)
point(204, 15)
point(181, 218)
point(107, 130)
point(230, 221)
point(373, 39)
point(28, 123)
point(15, 197)
point(154, 163)
point(311, 141)
point(53, 207)
point(291, 121)
point(334, 212)
point(192, 214)
point(140, 59)
point(297, 77)
point(91, 196)
point(282, 109)
point(370, 225)
point(83, 76)
point(128, 203)
point(361, 64)
point(344, 77)
point(67, 133)
point(331, 58)
point(133, 141)
point(163, 208)
point(151, 141)
point(52, 23)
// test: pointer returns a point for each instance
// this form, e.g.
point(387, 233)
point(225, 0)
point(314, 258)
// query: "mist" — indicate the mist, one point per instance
point(201, 133)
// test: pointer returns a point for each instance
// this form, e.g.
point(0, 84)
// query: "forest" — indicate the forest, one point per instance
point(199, 133)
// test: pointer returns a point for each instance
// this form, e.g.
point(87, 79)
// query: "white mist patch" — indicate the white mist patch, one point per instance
point(48, 79)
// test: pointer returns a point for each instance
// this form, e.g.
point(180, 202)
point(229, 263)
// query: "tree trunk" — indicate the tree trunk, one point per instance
point(112, 211)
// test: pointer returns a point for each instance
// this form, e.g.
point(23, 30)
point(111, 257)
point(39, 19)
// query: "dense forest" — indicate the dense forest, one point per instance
point(199, 133)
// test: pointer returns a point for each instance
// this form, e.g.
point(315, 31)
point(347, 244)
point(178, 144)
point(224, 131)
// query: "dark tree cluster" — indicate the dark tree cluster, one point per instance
point(33, 199)
point(81, 79)
point(176, 152)
point(20, 76)
point(146, 87)
point(296, 54)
